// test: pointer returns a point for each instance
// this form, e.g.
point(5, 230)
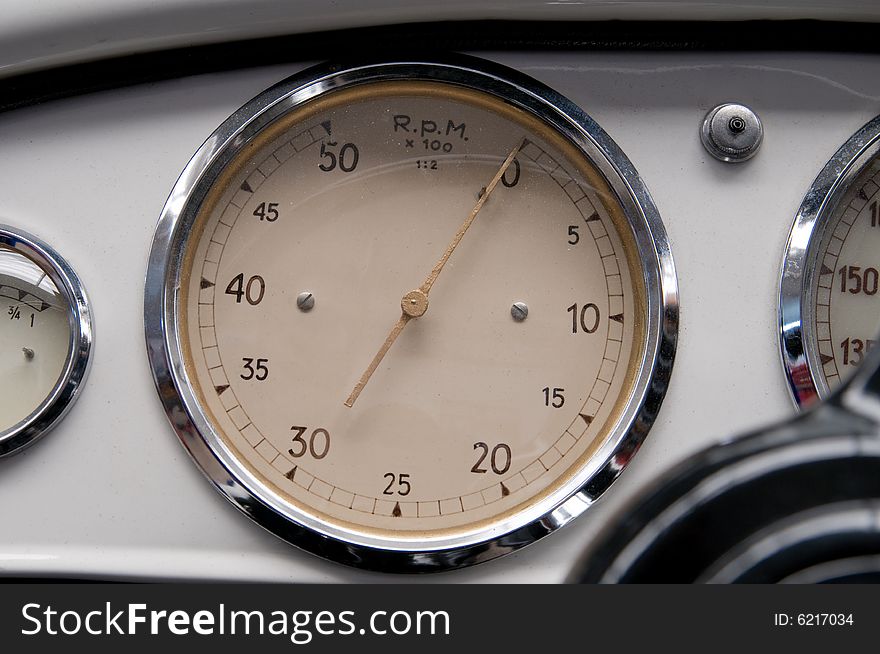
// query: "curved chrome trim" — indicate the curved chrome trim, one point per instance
point(69, 384)
point(349, 546)
point(805, 380)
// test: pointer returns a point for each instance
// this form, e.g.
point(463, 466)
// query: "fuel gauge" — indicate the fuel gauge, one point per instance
point(46, 335)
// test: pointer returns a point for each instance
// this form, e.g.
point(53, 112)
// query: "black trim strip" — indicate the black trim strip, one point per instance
point(807, 35)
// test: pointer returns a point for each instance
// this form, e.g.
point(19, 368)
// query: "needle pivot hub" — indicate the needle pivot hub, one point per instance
point(414, 303)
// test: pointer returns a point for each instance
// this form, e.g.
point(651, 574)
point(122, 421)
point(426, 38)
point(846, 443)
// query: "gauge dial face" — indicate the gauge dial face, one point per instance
point(412, 315)
point(844, 300)
point(35, 332)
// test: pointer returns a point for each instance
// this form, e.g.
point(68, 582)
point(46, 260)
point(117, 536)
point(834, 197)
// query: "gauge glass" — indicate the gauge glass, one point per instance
point(35, 333)
point(413, 314)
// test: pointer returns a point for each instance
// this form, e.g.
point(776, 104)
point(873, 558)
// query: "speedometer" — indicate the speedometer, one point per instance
point(411, 316)
point(829, 301)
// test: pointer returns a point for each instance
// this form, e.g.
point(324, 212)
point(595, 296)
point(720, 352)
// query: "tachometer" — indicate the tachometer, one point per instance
point(411, 316)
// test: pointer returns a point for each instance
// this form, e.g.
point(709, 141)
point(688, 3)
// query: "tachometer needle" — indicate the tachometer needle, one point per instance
point(415, 303)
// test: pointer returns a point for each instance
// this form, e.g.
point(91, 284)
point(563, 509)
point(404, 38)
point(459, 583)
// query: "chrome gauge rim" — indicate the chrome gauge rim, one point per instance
point(69, 385)
point(230, 477)
point(796, 338)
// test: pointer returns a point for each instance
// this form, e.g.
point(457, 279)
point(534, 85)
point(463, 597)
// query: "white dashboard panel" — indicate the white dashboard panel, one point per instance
point(111, 492)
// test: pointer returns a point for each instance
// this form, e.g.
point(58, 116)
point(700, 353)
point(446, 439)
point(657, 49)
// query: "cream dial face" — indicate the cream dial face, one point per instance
point(35, 332)
point(292, 288)
point(844, 297)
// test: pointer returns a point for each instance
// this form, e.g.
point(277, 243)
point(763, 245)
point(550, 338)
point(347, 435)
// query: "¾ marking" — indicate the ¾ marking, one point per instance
point(587, 419)
point(396, 512)
point(205, 284)
point(825, 358)
point(617, 317)
point(246, 187)
point(221, 389)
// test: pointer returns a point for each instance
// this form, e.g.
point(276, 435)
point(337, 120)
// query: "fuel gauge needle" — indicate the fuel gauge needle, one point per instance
point(415, 303)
